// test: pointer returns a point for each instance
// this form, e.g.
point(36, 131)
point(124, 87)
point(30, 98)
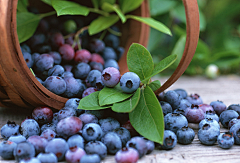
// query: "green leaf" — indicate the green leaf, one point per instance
point(127, 105)
point(108, 7)
point(102, 23)
point(147, 118)
point(49, 2)
point(108, 1)
point(90, 102)
point(95, 3)
point(162, 65)
point(109, 96)
point(179, 48)
point(26, 25)
point(152, 23)
point(155, 85)
point(139, 61)
point(158, 7)
point(129, 5)
point(22, 6)
point(69, 8)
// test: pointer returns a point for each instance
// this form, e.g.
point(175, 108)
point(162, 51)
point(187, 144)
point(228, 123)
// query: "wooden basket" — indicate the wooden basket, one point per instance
point(20, 89)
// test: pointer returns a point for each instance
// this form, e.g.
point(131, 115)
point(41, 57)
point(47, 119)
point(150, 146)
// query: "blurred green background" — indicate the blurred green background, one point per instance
point(219, 41)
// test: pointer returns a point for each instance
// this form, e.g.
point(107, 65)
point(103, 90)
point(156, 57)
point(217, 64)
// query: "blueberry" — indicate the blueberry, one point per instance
point(90, 158)
point(55, 118)
point(226, 116)
point(81, 70)
point(82, 55)
point(218, 107)
point(212, 114)
point(169, 140)
point(124, 135)
point(166, 107)
point(111, 63)
point(109, 53)
point(72, 87)
point(9, 129)
point(30, 160)
point(48, 134)
point(38, 142)
point(112, 142)
point(194, 114)
point(195, 99)
point(51, 126)
point(92, 77)
point(88, 118)
point(150, 146)
point(120, 51)
point(30, 127)
point(58, 146)
point(56, 56)
point(96, 147)
point(111, 40)
point(92, 131)
point(88, 91)
point(233, 122)
point(160, 96)
point(209, 121)
point(35, 57)
point(110, 76)
point(235, 107)
point(235, 129)
point(173, 98)
point(56, 70)
point(48, 157)
point(130, 128)
point(74, 102)
point(67, 74)
point(36, 39)
point(96, 66)
point(127, 154)
point(75, 141)
point(109, 124)
point(67, 52)
point(42, 114)
point(99, 83)
point(6, 149)
point(96, 45)
point(129, 82)
point(66, 112)
point(139, 143)
point(43, 63)
point(68, 126)
point(185, 135)
point(25, 48)
point(24, 150)
point(28, 59)
point(56, 84)
point(174, 121)
point(205, 107)
point(40, 80)
point(181, 92)
point(17, 138)
point(225, 140)
point(184, 104)
point(74, 155)
point(208, 134)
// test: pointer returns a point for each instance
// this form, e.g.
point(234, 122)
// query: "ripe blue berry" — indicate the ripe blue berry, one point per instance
point(74, 102)
point(129, 82)
point(124, 135)
point(9, 129)
point(173, 98)
point(92, 77)
point(75, 141)
point(109, 53)
point(166, 107)
point(96, 45)
point(212, 114)
point(42, 115)
point(56, 70)
point(38, 142)
point(66, 112)
point(55, 84)
point(109, 124)
point(81, 70)
point(92, 131)
point(225, 140)
point(111, 40)
point(235, 129)
point(218, 107)
point(30, 127)
point(72, 87)
point(226, 116)
point(194, 114)
point(110, 76)
point(175, 121)
point(181, 92)
point(88, 91)
point(17, 138)
point(185, 135)
point(235, 107)
point(51, 126)
point(205, 107)
point(48, 134)
point(139, 143)
point(24, 150)
point(6, 149)
point(74, 155)
point(127, 154)
point(90, 158)
point(233, 122)
point(47, 157)
point(169, 140)
point(112, 142)
point(208, 134)
point(88, 118)
point(96, 147)
point(195, 99)
point(209, 121)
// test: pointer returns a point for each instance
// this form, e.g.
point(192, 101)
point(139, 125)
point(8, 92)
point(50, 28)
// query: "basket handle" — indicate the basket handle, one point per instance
point(192, 17)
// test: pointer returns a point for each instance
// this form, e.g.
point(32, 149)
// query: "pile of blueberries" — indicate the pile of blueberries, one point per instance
point(66, 63)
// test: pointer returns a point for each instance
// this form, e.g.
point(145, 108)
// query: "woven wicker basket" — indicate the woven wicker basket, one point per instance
point(20, 89)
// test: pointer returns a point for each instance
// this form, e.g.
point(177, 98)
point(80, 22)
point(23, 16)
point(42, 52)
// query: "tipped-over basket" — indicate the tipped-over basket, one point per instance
point(20, 89)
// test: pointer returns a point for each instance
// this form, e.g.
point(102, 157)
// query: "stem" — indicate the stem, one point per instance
point(96, 10)
point(103, 35)
point(114, 32)
point(48, 14)
point(76, 37)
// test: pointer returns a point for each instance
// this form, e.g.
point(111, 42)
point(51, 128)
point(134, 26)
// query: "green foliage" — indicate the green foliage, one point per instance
point(144, 109)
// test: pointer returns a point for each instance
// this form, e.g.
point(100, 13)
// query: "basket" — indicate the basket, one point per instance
point(20, 89)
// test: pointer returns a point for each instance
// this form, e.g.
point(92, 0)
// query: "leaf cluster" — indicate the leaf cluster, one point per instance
point(144, 109)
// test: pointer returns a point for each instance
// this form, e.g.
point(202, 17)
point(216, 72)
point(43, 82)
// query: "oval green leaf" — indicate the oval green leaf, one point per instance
point(155, 85)
point(127, 105)
point(152, 23)
point(49, 2)
point(129, 5)
point(26, 25)
point(90, 102)
point(108, 7)
point(139, 61)
point(69, 8)
point(109, 96)
point(102, 23)
point(162, 65)
point(147, 118)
